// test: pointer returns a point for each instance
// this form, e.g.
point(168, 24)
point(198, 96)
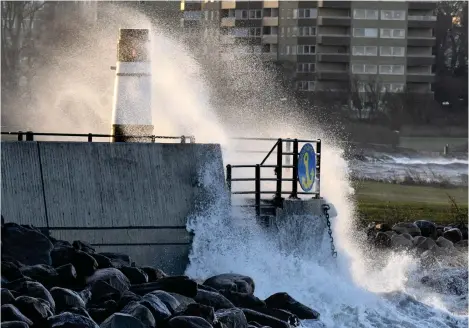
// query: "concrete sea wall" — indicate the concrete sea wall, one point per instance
point(132, 198)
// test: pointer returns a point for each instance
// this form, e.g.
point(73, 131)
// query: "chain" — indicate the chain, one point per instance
point(325, 209)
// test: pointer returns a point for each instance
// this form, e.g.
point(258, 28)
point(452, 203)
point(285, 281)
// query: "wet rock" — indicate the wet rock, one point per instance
point(140, 312)
point(66, 298)
point(444, 243)
point(37, 310)
point(454, 235)
point(135, 275)
point(284, 301)
point(103, 261)
point(122, 320)
point(207, 288)
point(10, 270)
point(45, 274)
point(118, 259)
point(383, 227)
point(453, 281)
point(243, 300)
point(79, 311)
point(7, 297)
point(112, 276)
point(14, 324)
point(382, 240)
point(153, 274)
point(406, 235)
point(67, 275)
point(401, 242)
point(231, 281)
point(232, 318)
point(176, 284)
point(424, 244)
point(263, 319)
point(188, 322)
point(84, 264)
point(101, 292)
point(33, 289)
point(427, 228)
point(83, 246)
point(183, 300)
point(71, 320)
point(407, 227)
point(215, 300)
point(461, 244)
point(283, 315)
point(17, 241)
point(98, 315)
point(10, 313)
point(199, 310)
point(126, 298)
point(62, 255)
point(156, 306)
point(390, 233)
point(171, 303)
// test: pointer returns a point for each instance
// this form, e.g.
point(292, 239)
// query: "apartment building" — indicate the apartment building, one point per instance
point(327, 45)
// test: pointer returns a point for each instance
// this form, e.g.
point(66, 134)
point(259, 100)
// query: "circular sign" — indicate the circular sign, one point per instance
point(307, 167)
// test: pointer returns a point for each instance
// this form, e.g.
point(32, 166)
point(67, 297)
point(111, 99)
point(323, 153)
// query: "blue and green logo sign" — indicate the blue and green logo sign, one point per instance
point(307, 167)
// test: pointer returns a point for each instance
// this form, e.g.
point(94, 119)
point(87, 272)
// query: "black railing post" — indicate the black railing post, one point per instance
point(318, 168)
point(294, 187)
point(153, 139)
point(20, 135)
point(258, 191)
point(90, 137)
point(183, 139)
point(228, 181)
point(279, 169)
point(29, 136)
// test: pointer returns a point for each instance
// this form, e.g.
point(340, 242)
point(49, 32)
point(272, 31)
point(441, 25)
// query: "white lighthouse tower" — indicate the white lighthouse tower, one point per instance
point(131, 112)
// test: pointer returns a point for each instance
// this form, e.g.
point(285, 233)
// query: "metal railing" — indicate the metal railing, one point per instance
point(29, 136)
point(278, 168)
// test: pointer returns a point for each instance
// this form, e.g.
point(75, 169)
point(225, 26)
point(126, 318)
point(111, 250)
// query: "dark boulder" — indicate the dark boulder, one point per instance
point(66, 298)
point(99, 314)
point(45, 274)
point(14, 324)
point(33, 289)
point(79, 311)
point(215, 300)
point(183, 300)
point(188, 322)
point(263, 319)
point(10, 270)
point(427, 228)
point(7, 297)
point(450, 281)
point(71, 320)
point(101, 292)
point(112, 276)
point(135, 275)
point(83, 246)
point(17, 241)
point(140, 312)
point(36, 309)
point(171, 302)
point(103, 261)
point(126, 298)
point(382, 240)
point(84, 264)
point(207, 288)
point(286, 302)
point(153, 274)
point(62, 254)
point(454, 235)
point(283, 315)
point(199, 310)
point(9, 312)
point(159, 310)
point(67, 275)
point(231, 281)
point(232, 318)
point(243, 300)
point(175, 284)
point(122, 320)
point(118, 259)
point(407, 227)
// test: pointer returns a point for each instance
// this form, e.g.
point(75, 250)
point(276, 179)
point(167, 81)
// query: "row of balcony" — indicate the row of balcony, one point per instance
point(343, 75)
point(232, 4)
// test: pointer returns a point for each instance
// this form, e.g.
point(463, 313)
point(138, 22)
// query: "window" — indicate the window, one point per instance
point(392, 87)
point(255, 14)
point(306, 31)
point(305, 85)
point(305, 67)
point(231, 13)
point(391, 51)
point(365, 51)
point(270, 12)
point(389, 33)
point(306, 49)
point(393, 14)
point(391, 69)
point(282, 32)
point(365, 14)
point(305, 13)
point(365, 32)
point(364, 69)
point(239, 32)
point(241, 14)
point(254, 31)
point(192, 15)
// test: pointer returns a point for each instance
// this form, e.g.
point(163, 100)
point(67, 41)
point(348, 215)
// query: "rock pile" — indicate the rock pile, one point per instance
point(54, 283)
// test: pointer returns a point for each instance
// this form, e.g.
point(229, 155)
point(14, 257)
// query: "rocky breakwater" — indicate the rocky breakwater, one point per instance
point(441, 251)
point(54, 283)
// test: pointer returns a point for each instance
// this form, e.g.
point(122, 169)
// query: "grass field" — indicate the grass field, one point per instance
point(386, 202)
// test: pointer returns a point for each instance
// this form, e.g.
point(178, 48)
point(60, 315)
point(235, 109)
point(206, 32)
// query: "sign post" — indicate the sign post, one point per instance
point(307, 167)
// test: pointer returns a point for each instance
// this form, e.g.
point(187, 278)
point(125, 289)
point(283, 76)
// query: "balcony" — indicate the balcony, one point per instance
point(334, 4)
point(270, 4)
point(333, 57)
point(334, 39)
point(228, 4)
point(421, 21)
point(424, 5)
point(420, 60)
point(333, 75)
point(270, 38)
point(228, 22)
point(270, 21)
point(420, 77)
point(419, 41)
point(269, 56)
point(334, 20)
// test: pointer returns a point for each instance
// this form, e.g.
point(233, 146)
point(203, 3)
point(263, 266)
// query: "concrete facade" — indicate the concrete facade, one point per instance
point(120, 197)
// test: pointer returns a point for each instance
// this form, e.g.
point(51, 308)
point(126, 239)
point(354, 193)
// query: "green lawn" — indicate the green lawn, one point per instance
point(386, 202)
